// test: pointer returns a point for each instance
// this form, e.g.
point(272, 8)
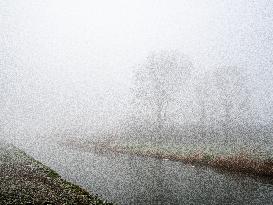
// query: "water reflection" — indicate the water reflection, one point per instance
point(136, 180)
point(154, 181)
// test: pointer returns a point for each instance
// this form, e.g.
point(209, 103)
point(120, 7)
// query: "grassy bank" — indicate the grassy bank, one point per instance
point(23, 180)
point(243, 160)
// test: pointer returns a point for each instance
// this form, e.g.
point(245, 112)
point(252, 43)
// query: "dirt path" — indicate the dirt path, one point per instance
point(24, 180)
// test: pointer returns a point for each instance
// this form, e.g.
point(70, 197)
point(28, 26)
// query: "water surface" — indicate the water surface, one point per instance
point(129, 179)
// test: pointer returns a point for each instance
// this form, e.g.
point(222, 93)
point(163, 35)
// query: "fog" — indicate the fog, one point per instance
point(68, 66)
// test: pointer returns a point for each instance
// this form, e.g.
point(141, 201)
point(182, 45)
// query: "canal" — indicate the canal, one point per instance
point(126, 179)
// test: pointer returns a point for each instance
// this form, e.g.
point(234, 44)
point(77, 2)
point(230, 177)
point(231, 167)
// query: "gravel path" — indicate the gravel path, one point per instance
point(23, 180)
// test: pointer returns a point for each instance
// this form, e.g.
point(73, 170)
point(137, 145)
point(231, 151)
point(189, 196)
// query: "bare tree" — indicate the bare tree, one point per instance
point(202, 92)
point(231, 83)
point(157, 84)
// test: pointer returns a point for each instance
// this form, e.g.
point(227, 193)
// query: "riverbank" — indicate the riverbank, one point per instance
point(243, 161)
point(23, 180)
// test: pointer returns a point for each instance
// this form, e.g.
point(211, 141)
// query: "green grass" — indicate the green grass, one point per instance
point(52, 174)
point(61, 189)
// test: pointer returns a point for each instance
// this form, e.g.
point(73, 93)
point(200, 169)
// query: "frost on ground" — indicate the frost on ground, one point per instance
point(24, 180)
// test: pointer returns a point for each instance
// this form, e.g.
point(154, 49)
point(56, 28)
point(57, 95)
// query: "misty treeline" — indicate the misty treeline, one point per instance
point(174, 103)
point(171, 101)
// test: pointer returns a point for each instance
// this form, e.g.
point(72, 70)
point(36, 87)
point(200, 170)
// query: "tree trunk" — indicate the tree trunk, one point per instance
point(159, 131)
point(227, 123)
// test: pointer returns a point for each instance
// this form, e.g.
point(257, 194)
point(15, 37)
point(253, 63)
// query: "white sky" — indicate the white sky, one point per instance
point(60, 51)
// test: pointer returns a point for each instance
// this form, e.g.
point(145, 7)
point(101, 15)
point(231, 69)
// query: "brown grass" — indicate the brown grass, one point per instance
point(240, 162)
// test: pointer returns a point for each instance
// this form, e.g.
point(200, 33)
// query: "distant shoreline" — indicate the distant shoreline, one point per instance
point(241, 162)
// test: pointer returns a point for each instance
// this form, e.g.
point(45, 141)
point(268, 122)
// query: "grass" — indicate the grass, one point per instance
point(239, 161)
point(52, 174)
point(34, 183)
